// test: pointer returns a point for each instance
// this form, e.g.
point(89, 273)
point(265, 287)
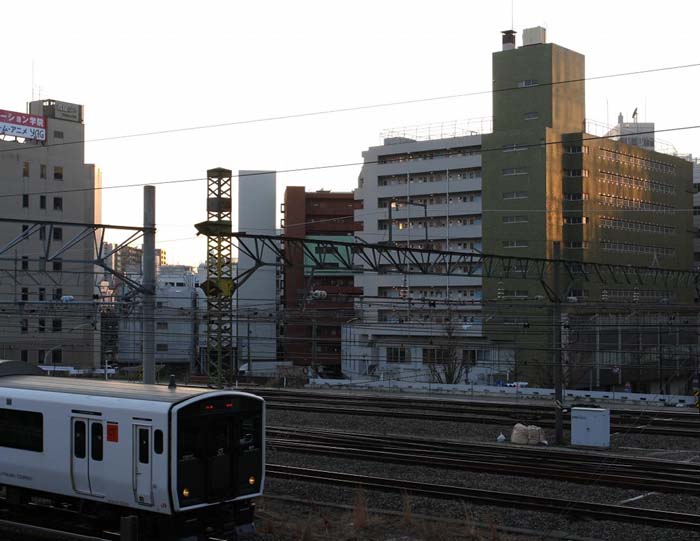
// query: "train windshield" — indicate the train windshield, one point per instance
point(219, 449)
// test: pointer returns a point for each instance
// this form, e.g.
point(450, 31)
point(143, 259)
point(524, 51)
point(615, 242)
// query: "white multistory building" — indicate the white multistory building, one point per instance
point(179, 318)
point(407, 325)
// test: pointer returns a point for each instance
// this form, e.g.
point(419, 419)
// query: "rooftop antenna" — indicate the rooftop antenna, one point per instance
point(511, 14)
point(32, 79)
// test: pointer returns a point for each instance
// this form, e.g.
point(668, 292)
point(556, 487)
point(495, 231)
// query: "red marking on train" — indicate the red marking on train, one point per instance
point(113, 432)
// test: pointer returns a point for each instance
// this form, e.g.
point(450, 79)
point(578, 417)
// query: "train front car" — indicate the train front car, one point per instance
point(218, 459)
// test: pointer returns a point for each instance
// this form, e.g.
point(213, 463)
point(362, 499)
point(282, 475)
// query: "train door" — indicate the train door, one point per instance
point(87, 455)
point(79, 456)
point(143, 464)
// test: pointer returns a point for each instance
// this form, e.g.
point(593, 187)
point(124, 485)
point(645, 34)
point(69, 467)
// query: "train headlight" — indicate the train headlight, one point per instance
point(186, 492)
point(251, 480)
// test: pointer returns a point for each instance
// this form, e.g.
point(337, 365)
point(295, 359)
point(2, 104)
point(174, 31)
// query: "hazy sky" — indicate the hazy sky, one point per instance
point(157, 65)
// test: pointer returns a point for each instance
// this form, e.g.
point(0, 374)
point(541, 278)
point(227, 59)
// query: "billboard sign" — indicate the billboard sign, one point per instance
point(22, 125)
point(67, 111)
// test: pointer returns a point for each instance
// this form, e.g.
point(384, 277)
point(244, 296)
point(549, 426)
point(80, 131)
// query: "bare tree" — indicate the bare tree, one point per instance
point(447, 364)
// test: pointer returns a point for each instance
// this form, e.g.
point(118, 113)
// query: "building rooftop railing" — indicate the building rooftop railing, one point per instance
point(440, 130)
point(602, 129)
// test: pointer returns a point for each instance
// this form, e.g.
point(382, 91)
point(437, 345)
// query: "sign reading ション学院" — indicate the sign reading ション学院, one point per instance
point(22, 125)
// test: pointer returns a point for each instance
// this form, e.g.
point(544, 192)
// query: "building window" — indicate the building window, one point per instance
point(575, 220)
point(575, 172)
point(57, 356)
point(576, 244)
point(42, 325)
point(57, 233)
point(575, 196)
point(515, 244)
point(162, 347)
point(514, 195)
point(515, 293)
point(161, 325)
point(58, 203)
point(42, 293)
point(25, 201)
point(22, 430)
point(512, 147)
point(25, 262)
point(396, 355)
point(527, 82)
point(25, 170)
point(42, 170)
point(57, 265)
point(42, 201)
point(24, 326)
point(58, 134)
point(25, 294)
point(58, 172)
point(25, 356)
point(532, 115)
point(512, 171)
point(40, 356)
point(438, 355)
point(515, 219)
point(57, 294)
point(42, 232)
point(56, 325)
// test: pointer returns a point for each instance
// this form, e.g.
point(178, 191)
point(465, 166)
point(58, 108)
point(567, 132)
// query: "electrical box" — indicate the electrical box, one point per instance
point(590, 427)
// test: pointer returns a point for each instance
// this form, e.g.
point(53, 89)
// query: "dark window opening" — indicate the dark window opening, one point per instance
point(58, 203)
point(96, 442)
point(25, 356)
point(25, 262)
point(25, 170)
point(42, 170)
point(57, 265)
point(57, 356)
point(56, 325)
point(143, 446)
point(57, 233)
point(79, 439)
point(158, 442)
point(42, 201)
point(21, 430)
point(25, 201)
point(58, 134)
point(58, 173)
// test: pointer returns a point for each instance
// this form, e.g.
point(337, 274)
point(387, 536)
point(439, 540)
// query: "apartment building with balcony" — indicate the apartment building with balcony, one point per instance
point(423, 192)
point(316, 302)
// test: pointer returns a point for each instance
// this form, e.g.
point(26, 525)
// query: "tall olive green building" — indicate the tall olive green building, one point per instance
point(547, 181)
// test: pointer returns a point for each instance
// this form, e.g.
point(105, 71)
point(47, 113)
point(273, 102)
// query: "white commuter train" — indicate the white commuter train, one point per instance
point(179, 458)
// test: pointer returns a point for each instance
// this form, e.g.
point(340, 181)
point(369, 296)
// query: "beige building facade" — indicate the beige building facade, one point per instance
point(48, 311)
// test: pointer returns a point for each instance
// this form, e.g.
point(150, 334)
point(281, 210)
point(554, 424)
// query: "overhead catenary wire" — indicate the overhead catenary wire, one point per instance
point(356, 108)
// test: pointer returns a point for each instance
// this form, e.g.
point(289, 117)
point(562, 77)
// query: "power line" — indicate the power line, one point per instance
point(360, 107)
point(335, 166)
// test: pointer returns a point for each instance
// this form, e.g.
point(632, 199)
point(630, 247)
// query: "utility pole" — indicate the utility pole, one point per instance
point(556, 327)
point(149, 284)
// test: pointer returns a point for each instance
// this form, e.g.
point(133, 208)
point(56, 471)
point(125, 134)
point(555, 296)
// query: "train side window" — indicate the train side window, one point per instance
point(158, 442)
point(96, 443)
point(21, 430)
point(79, 439)
point(143, 446)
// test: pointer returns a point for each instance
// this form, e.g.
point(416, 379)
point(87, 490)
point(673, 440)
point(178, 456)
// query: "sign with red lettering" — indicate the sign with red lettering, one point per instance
point(113, 432)
point(22, 125)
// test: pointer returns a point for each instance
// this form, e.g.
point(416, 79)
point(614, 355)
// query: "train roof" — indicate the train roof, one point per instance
point(113, 389)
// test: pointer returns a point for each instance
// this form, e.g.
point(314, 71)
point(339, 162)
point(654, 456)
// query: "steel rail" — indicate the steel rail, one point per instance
point(570, 508)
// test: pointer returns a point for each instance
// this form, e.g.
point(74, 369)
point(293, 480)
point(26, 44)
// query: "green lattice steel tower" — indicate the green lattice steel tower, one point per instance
point(219, 283)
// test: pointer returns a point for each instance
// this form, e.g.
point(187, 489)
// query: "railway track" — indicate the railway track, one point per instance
point(658, 422)
point(577, 467)
point(569, 508)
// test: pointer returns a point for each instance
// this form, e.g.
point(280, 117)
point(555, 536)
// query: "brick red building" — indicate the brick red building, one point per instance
point(311, 335)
